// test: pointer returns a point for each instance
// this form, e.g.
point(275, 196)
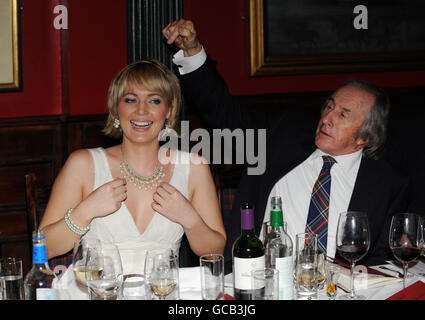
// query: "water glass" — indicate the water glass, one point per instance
point(133, 260)
point(104, 274)
point(321, 270)
point(212, 276)
point(306, 266)
point(265, 284)
point(11, 279)
point(133, 287)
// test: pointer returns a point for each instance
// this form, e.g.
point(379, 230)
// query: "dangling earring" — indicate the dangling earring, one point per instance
point(116, 123)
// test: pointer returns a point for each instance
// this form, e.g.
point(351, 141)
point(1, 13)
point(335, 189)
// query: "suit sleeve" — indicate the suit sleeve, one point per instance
point(381, 251)
point(206, 90)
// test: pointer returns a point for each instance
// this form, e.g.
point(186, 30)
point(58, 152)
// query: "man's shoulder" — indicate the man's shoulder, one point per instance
point(381, 168)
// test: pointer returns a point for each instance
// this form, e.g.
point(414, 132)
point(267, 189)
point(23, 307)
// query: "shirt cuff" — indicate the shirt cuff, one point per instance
point(189, 64)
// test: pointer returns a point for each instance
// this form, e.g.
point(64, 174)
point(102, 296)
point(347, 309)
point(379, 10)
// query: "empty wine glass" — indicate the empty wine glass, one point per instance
point(79, 258)
point(104, 275)
point(405, 239)
point(161, 272)
point(352, 242)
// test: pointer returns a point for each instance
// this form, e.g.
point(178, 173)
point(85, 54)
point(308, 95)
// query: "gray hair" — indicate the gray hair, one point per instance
point(374, 127)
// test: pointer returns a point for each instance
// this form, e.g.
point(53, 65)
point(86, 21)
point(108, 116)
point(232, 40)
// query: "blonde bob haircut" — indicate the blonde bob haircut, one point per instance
point(152, 75)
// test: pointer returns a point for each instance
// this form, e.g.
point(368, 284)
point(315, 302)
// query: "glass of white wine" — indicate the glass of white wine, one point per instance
point(161, 272)
point(79, 259)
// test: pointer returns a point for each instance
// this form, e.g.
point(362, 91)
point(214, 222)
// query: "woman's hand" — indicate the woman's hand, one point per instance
point(169, 202)
point(106, 199)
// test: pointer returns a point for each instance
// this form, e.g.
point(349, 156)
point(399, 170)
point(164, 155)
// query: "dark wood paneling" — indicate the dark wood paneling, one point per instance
point(37, 145)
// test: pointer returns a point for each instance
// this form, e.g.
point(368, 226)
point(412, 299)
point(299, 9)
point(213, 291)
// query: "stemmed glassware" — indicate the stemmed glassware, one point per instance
point(161, 272)
point(423, 235)
point(104, 275)
point(79, 259)
point(352, 242)
point(405, 239)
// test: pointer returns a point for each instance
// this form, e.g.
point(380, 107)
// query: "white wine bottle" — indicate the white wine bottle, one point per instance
point(248, 255)
point(38, 281)
point(279, 250)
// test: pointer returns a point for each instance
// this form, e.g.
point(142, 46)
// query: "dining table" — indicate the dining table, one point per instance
point(189, 287)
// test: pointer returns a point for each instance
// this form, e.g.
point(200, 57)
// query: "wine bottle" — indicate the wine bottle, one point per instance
point(38, 281)
point(279, 250)
point(248, 255)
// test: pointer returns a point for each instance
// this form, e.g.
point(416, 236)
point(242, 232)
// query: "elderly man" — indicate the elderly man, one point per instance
point(342, 149)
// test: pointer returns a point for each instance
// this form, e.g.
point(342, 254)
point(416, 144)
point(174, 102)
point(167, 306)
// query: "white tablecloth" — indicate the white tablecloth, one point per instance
point(190, 287)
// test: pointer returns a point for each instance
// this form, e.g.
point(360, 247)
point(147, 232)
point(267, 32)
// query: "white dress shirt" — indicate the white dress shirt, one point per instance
point(296, 186)
point(189, 64)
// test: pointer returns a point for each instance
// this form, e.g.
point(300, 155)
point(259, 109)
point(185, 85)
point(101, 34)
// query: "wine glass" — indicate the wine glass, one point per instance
point(423, 235)
point(161, 272)
point(79, 258)
point(405, 239)
point(104, 275)
point(352, 243)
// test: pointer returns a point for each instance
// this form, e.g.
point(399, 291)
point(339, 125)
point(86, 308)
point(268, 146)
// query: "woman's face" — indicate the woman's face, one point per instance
point(142, 113)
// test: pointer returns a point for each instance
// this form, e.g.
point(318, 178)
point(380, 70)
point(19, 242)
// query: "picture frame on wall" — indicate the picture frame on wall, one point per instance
point(10, 57)
point(289, 37)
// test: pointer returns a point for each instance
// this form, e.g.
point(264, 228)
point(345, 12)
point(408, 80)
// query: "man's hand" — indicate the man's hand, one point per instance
point(183, 34)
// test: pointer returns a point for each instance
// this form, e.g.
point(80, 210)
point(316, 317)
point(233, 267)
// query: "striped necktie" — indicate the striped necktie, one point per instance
point(317, 220)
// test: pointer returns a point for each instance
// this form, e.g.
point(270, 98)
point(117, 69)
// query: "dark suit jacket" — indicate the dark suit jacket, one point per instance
point(378, 190)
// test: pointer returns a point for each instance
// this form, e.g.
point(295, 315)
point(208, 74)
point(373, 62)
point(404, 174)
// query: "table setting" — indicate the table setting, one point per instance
point(135, 271)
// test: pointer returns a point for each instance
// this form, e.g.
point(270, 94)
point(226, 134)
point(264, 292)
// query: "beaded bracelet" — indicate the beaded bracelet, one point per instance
point(72, 226)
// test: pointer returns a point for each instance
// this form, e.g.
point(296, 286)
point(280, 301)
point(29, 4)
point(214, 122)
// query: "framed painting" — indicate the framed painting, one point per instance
point(10, 64)
point(335, 36)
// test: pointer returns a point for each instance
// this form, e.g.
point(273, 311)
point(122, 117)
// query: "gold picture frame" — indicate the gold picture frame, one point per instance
point(265, 60)
point(10, 64)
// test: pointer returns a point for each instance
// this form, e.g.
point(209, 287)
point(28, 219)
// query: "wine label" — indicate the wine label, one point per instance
point(242, 271)
point(46, 294)
point(286, 274)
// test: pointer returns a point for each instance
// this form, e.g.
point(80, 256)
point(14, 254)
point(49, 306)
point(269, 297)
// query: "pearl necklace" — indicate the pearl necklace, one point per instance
point(146, 182)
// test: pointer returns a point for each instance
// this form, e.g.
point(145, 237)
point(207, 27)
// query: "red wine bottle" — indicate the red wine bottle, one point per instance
point(248, 254)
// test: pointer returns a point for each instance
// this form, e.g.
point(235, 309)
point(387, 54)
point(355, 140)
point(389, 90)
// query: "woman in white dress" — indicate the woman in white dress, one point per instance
point(127, 194)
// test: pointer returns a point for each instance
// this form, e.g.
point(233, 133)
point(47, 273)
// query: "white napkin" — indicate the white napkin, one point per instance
point(190, 283)
point(68, 288)
point(363, 280)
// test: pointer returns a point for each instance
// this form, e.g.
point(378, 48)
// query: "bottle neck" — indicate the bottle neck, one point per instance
point(247, 220)
point(39, 250)
point(276, 218)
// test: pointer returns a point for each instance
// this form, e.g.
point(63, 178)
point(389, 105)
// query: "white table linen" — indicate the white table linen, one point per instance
point(190, 287)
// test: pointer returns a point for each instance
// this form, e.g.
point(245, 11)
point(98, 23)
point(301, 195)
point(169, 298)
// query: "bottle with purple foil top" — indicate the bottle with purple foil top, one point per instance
point(248, 254)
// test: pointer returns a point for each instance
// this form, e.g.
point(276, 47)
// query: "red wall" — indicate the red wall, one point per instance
point(223, 28)
point(40, 64)
point(97, 50)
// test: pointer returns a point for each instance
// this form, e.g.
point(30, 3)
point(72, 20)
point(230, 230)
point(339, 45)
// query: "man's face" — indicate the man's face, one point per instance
point(341, 119)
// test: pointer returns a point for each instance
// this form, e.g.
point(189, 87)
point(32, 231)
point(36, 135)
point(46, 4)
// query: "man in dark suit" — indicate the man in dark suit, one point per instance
point(351, 129)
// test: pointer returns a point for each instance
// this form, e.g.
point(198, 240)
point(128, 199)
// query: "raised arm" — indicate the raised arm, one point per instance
point(204, 87)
